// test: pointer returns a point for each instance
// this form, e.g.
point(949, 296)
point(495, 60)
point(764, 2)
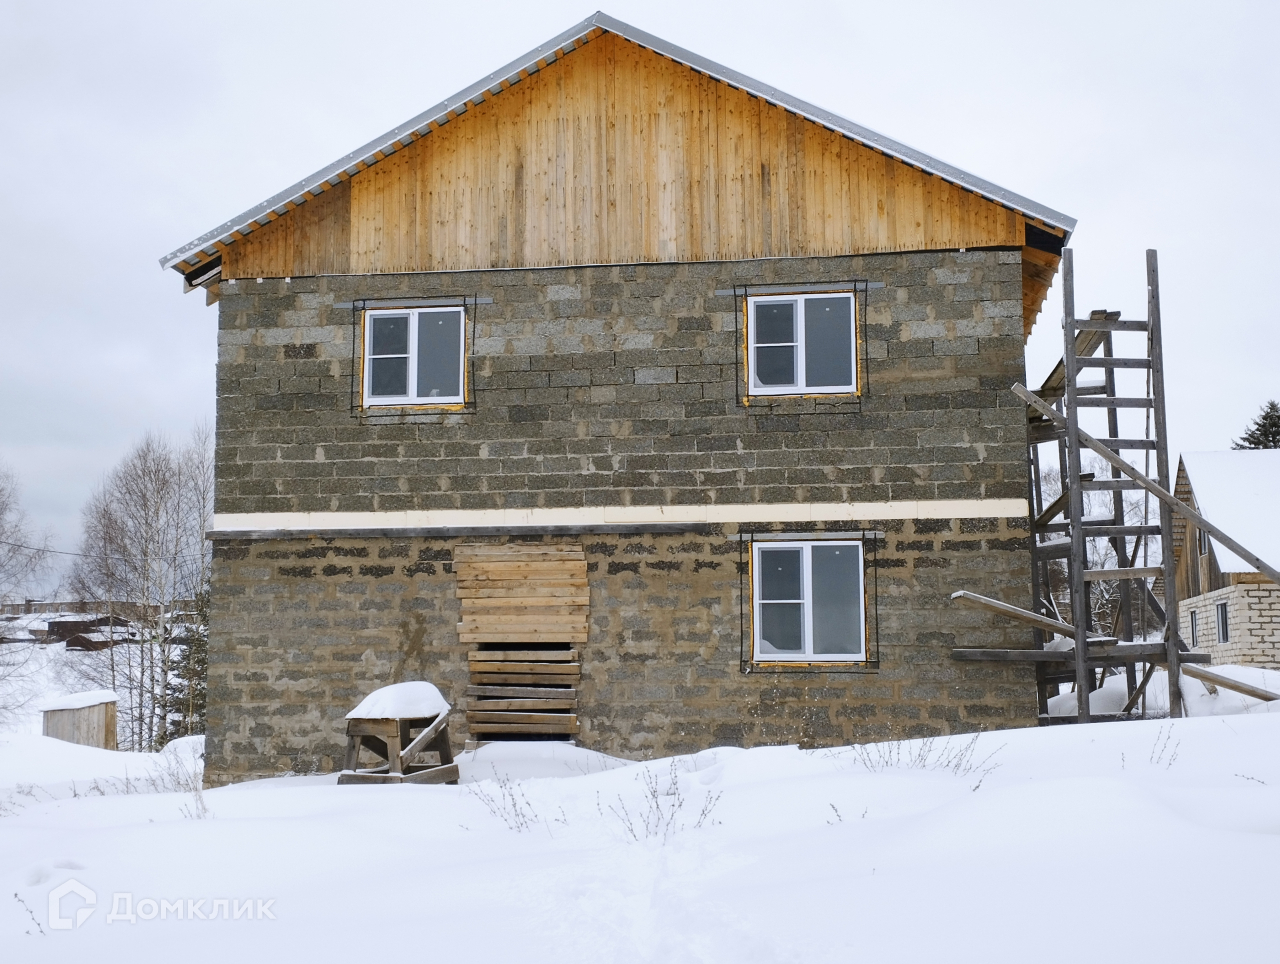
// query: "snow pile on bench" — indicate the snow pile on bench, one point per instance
point(401, 701)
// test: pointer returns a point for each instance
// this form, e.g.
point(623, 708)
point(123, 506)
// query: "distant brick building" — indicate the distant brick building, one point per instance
point(624, 398)
point(1227, 607)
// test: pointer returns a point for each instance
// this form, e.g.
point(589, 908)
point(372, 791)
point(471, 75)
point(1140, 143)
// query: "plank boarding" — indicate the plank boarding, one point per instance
point(516, 597)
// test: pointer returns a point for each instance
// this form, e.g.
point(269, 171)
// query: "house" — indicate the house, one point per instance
point(1227, 607)
point(627, 399)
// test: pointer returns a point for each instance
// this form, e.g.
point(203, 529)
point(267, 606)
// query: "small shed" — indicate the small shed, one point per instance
point(85, 718)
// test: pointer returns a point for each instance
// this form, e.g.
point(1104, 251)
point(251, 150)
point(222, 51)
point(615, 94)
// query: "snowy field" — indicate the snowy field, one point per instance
point(1162, 838)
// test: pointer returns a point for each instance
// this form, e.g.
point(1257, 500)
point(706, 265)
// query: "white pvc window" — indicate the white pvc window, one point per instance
point(808, 602)
point(1224, 633)
point(802, 344)
point(414, 356)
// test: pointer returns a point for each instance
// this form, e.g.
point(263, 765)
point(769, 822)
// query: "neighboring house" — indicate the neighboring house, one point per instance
point(1227, 607)
point(625, 398)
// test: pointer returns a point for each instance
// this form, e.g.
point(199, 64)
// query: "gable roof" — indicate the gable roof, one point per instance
point(1238, 491)
point(186, 257)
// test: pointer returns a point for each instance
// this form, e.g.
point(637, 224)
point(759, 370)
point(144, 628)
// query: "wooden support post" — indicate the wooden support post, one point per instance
point(1075, 504)
point(1163, 479)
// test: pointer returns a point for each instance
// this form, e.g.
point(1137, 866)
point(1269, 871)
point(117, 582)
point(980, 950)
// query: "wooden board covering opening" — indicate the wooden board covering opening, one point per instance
point(524, 609)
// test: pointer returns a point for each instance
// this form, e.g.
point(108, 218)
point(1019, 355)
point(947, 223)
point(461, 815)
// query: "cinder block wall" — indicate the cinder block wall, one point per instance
point(1253, 624)
point(306, 628)
point(616, 385)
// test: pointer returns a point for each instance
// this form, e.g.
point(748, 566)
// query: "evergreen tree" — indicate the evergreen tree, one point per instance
point(1264, 433)
point(187, 686)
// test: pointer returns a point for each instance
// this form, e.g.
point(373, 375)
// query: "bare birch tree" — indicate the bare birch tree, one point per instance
point(24, 553)
point(24, 561)
point(144, 557)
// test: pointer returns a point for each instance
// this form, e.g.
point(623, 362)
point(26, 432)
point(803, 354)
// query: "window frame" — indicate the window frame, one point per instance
point(806, 656)
point(1195, 635)
point(1224, 626)
point(800, 389)
point(411, 401)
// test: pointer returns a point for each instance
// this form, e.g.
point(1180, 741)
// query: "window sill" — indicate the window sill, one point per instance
point(749, 667)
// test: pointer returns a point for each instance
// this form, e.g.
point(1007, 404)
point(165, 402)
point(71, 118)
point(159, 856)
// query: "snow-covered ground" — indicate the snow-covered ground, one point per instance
point(1126, 842)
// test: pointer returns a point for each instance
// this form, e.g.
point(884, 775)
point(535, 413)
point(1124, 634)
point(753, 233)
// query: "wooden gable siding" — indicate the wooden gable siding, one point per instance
point(614, 154)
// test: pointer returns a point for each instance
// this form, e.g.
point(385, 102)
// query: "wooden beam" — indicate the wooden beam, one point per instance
point(1140, 572)
point(1013, 612)
point(1217, 679)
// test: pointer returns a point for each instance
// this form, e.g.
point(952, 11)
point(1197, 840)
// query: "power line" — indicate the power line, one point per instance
point(84, 555)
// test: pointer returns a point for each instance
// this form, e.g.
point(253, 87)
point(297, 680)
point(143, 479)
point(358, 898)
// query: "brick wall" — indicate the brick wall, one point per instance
point(1253, 624)
point(616, 385)
point(303, 629)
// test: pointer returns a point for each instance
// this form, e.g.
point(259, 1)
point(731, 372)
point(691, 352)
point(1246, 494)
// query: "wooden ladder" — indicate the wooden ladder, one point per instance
point(1087, 344)
point(524, 609)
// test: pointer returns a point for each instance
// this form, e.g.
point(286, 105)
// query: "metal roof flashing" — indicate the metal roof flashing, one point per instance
point(459, 103)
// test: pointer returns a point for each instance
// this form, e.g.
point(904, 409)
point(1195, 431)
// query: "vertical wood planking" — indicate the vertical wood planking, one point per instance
point(613, 153)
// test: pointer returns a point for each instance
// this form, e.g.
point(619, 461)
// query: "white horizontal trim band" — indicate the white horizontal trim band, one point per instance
point(618, 515)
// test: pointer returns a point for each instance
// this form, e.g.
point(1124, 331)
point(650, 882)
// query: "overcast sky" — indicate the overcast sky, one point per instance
point(131, 128)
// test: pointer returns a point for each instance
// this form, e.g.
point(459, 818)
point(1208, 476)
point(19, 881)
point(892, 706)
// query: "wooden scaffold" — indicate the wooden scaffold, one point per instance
point(1061, 533)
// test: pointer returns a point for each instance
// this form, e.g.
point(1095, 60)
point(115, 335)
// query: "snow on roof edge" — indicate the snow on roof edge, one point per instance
point(78, 701)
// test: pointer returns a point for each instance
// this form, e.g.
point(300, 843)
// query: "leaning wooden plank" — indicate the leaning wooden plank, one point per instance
point(562, 728)
point(547, 669)
point(1004, 609)
point(478, 716)
point(534, 679)
point(423, 738)
point(523, 655)
point(487, 706)
point(1168, 498)
point(1141, 688)
point(524, 692)
point(442, 774)
point(1226, 682)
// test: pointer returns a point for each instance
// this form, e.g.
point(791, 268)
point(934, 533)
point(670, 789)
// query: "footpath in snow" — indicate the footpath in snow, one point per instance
point(1161, 837)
